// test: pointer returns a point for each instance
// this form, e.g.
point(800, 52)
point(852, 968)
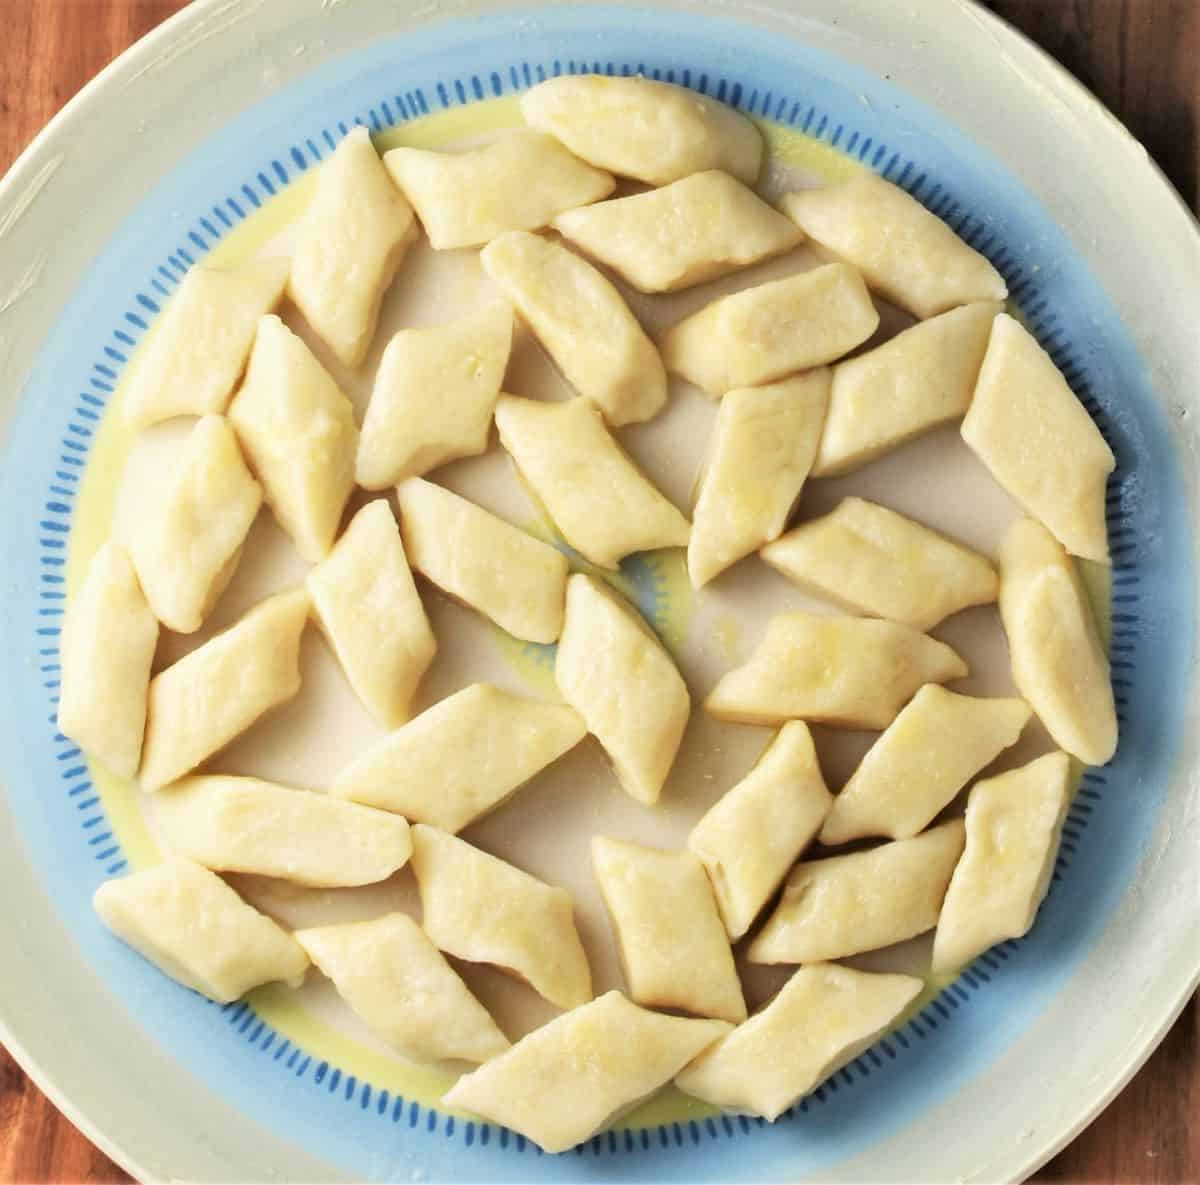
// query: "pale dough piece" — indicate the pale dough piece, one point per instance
point(196, 354)
point(1014, 823)
point(352, 239)
point(367, 606)
point(612, 668)
point(574, 1076)
point(821, 1019)
point(906, 253)
point(774, 329)
point(1038, 440)
point(849, 671)
point(872, 560)
point(108, 640)
point(233, 824)
point(200, 703)
point(937, 744)
point(434, 395)
point(1058, 660)
point(755, 832)
point(584, 324)
point(189, 536)
point(518, 182)
point(696, 229)
point(844, 905)
point(517, 581)
point(916, 381)
point(401, 985)
point(673, 946)
point(297, 429)
point(762, 447)
point(461, 758)
point(603, 504)
point(193, 927)
point(478, 908)
point(654, 131)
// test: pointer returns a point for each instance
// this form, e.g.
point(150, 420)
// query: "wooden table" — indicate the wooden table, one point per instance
point(1142, 57)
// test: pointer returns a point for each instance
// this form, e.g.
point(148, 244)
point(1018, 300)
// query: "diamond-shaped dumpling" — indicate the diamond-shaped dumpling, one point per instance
point(299, 435)
point(352, 239)
point(518, 182)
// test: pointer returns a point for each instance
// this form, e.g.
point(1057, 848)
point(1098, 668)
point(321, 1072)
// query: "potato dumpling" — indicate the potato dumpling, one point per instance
point(653, 131)
point(478, 908)
point(189, 535)
point(200, 703)
point(822, 1018)
point(696, 229)
point(614, 671)
point(574, 1076)
point(907, 254)
point(755, 832)
point(673, 946)
point(762, 447)
point(774, 329)
point(1014, 823)
point(299, 435)
point(108, 642)
point(367, 606)
point(195, 355)
point(461, 758)
point(849, 671)
point(1058, 660)
point(434, 395)
point(937, 744)
point(352, 239)
point(517, 581)
point(584, 324)
point(403, 988)
point(518, 182)
point(875, 561)
point(603, 504)
point(193, 927)
point(916, 381)
point(844, 905)
point(1038, 440)
point(245, 825)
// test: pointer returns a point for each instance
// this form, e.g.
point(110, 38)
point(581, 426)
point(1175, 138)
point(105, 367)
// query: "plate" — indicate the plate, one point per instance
point(136, 179)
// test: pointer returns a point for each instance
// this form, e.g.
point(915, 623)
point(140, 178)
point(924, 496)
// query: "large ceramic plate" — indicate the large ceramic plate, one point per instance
point(180, 149)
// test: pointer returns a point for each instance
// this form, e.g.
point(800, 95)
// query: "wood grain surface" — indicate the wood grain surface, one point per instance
point(1141, 57)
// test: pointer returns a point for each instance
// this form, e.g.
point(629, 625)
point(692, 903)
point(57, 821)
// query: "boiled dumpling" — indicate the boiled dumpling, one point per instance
point(653, 131)
point(461, 758)
point(108, 642)
point(584, 324)
point(518, 182)
point(517, 581)
point(762, 446)
point(843, 905)
point(673, 946)
point(434, 395)
point(605, 507)
point(1038, 440)
point(572, 1077)
point(615, 672)
point(693, 230)
point(906, 253)
point(480, 909)
point(755, 832)
point(849, 671)
point(352, 239)
point(873, 560)
point(367, 606)
point(775, 329)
